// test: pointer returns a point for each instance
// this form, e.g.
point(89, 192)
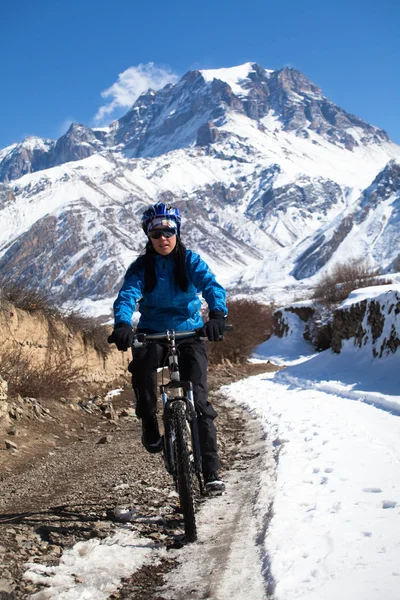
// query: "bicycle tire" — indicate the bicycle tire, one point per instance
point(184, 471)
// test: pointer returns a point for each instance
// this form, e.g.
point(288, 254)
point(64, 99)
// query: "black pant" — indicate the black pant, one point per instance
point(193, 367)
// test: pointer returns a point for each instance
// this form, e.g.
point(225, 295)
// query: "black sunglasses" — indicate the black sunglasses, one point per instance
point(157, 233)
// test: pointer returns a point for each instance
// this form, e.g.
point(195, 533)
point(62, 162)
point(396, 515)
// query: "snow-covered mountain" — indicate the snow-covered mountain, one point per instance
point(275, 183)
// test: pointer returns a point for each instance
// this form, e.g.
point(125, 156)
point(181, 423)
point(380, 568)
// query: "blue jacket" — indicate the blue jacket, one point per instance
point(167, 306)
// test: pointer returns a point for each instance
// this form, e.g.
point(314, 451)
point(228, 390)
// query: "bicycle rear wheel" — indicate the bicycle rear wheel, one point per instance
point(184, 471)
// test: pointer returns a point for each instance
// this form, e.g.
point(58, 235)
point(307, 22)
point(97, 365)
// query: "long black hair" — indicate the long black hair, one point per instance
point(147, 262)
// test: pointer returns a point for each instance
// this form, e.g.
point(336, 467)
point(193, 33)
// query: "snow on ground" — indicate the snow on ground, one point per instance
point(331, 422)
point(288, 350)
point(334, 531)
point(92, 570)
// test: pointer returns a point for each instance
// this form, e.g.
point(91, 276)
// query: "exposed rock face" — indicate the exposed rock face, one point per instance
point(79, 142)
point(77, 253)
point(305, 313)
point(169, 119)
point(302, 106)
point(207, 134)
point(288, 94)
point(278, 202)
point(317, 330)
point(372, 323)
point(29, 156)
point(348, 324)
point(321, 250)
point(6, 194)
point(73, 241)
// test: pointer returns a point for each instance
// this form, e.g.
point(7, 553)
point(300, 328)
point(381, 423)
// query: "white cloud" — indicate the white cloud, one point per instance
point(130, 84)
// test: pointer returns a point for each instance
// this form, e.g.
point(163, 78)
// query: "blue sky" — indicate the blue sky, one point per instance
point(58, 57)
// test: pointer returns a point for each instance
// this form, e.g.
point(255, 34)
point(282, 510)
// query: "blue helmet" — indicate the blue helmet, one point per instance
point(161, 210)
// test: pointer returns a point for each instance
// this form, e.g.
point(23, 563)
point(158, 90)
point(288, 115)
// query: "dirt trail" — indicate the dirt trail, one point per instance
point(64, 488)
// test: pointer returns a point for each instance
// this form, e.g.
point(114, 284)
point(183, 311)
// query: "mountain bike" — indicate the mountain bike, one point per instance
point(181, 445)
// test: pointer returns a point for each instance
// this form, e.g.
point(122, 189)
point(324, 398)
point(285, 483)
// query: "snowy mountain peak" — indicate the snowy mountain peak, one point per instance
point(28, 156)
point(197, 110)
point(233, 76)
point(33, 142)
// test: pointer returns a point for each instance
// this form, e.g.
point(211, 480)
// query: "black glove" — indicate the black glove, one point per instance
point(214, 328)
point(122, 336)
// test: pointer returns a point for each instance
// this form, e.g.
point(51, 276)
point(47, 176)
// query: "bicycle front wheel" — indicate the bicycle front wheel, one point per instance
point(184, 471)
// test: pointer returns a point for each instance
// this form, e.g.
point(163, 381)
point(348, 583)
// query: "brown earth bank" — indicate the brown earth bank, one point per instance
point(40, 340)
point(69, 463)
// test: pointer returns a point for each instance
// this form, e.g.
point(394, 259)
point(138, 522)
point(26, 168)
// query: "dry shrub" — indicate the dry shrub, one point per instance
point(252, 324)
point(46, 381)
point(28, 299)
point(334, 287)
point(93, 332)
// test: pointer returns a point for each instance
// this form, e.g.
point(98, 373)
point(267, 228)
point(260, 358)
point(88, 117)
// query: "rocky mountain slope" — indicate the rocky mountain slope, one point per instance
point(275, 183)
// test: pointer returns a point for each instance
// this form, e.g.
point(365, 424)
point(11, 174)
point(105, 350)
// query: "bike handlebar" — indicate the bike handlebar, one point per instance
point(142, 338)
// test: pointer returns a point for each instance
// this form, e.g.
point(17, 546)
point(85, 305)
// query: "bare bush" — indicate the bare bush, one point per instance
point(334, 287)
point(252, 324)
point(93, 332)
point(57, 379)
point(28, 299)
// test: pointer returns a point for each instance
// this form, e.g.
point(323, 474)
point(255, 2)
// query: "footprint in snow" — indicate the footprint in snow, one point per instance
point(372, 490)
point(389, 504)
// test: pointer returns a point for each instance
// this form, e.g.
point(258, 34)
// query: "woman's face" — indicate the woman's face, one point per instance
point(163, 245)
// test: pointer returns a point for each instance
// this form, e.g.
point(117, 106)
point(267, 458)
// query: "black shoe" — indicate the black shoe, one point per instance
point(151, 438)
point(213, 483)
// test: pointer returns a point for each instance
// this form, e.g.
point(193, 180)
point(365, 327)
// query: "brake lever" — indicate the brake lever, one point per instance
point(139, 340)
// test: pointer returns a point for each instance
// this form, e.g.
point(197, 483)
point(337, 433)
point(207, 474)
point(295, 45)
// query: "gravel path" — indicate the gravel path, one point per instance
point(64, 488)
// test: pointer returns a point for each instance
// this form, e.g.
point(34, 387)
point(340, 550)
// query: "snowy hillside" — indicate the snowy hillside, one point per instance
point(332, 422)
point(274, 181)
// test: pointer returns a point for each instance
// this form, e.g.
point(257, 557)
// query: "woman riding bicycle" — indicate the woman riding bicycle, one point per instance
point(165, 280)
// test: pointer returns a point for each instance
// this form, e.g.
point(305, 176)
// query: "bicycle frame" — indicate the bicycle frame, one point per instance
point(176, 390)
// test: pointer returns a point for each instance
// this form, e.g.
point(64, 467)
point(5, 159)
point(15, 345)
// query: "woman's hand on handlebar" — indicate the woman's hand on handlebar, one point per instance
point(215, 326)
point(122, 336)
